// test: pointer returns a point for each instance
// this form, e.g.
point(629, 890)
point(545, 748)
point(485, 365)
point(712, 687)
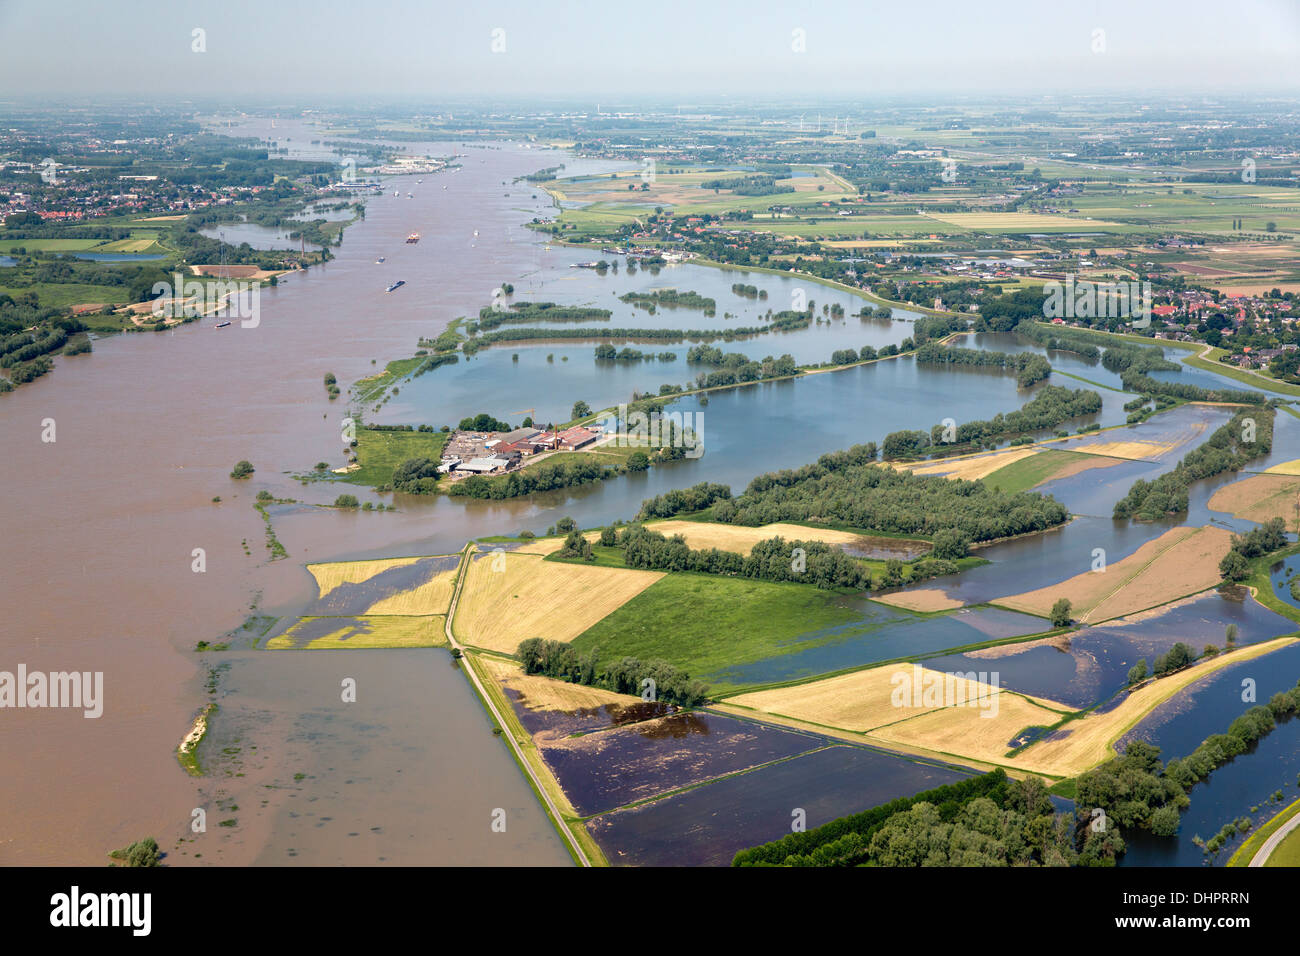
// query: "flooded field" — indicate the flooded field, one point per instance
point(1090, 666)
point(882, 634)
point(410, 772)
point(612, 768)
point(708, 825)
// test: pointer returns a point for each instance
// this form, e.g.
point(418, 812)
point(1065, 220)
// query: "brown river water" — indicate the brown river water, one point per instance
point(98, 539)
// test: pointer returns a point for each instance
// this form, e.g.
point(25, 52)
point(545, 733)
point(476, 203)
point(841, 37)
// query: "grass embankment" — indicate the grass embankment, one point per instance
point(379, 452)
point(1208, 361)
point(1246, 852)
point(372, 387)
point(1260, 583)
point(482, 666)
point(1287, 853)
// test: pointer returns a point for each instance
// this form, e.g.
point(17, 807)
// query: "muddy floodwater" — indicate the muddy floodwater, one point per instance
point(407, 773)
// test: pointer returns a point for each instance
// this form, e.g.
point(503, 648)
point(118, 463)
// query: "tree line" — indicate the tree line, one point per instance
point(1226, 450)
point(628, 675)
point(1029, 367)
point(1052, 405)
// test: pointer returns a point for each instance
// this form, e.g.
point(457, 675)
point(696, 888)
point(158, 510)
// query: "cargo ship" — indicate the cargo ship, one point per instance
point(396, 285)
point(413, 237)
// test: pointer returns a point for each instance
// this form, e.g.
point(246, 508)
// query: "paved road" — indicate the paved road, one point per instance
point(551, 808)
point(1271, 843)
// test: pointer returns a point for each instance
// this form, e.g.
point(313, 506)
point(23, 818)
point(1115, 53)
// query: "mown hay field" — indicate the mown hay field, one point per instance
point(868, 699)
point(545, 693)
point(969, 731)
point(1260, 497)
point(510, 596)
point(1181, 561)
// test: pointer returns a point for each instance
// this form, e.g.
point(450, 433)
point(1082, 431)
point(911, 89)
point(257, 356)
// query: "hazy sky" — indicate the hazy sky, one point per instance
point(279, 50)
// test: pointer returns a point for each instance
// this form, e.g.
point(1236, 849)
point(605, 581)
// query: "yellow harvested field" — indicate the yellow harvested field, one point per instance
point(920, 599)
point(330, 633)
point(1286, 468)
point(1260, 497)
point(335, 573)
point(729, 537)
point(1181, 561)
point(542, 546)
point(432, 597)
point(544, 693)
point(1086, 742)
point(1132, 450)
point(967, 732)
point(873, 698)
point(971, 467)
point(509, 597)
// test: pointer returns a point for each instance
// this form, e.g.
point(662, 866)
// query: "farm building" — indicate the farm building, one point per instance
point(577, 437)
point(483, 466)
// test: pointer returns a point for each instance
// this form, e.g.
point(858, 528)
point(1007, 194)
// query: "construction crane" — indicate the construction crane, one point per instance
point(522, 410)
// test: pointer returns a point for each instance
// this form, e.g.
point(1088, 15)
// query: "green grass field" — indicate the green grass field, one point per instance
point(66, 295)
point(705, 624)
point(379, 452)
point(1287, 852)
point(372, 388)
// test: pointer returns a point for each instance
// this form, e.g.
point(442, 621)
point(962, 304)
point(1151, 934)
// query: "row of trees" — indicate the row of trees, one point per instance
point(671, 297)
point(1135, 381)
point(658, 679)
point(1267, 538)
point(490, 317)
point(1248, 435)
point(803, 562)
point(608, 353)
point(548, 476)
point(683, 500)
point(1029, 367)
point(1051, 406)
point(984, 821)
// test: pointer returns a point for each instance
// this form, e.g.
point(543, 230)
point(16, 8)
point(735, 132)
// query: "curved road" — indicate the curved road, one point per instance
point(1271, 843)
point(552, 809)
